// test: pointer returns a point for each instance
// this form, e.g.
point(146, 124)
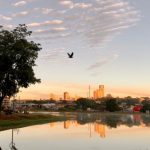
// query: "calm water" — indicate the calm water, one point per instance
point(84, 132)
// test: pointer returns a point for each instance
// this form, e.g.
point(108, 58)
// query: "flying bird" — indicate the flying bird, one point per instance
point(70, 55)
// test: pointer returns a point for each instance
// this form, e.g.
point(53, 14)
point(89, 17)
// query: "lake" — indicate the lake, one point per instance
point(84, 131)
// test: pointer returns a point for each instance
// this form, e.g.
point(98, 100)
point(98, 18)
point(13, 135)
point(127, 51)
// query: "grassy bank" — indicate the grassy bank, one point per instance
point(20, 120)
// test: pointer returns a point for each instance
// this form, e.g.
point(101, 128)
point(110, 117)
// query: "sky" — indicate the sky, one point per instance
point(109, 38)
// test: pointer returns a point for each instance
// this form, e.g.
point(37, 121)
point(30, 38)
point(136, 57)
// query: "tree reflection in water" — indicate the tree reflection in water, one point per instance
point(12, 144)
point(114, 120)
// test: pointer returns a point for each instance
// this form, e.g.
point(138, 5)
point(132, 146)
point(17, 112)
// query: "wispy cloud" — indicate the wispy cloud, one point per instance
point(92, 22)
point(21, 14)
point(59, 29)
point(19, 3)
point(102, 62)
point(5, 18)
point(66, 3)
point(43, 11)
point(72, 5)
point(95, 21)
point(46, 10)
point(82, 5)
point(51, 22)
point(52, 31)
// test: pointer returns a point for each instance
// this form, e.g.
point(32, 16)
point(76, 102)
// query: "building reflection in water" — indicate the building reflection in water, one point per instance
point(52, 124)
point(96, 127)
point(69, 123)
point(66, 124)
point(100, 129)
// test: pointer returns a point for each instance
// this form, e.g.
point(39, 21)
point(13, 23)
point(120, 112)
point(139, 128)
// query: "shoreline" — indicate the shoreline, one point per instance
point(20, 120)
point(104, 112)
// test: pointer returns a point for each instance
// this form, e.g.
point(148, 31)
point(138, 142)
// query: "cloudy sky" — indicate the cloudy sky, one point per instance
point(109, 38)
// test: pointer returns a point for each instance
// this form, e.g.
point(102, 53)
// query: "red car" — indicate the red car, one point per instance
point(137, 108)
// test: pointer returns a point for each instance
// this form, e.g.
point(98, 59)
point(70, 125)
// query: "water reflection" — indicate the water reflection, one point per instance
point(98, 122)
point(12, 144)
point(97, 127)
point(114, 120)
point(90, 131)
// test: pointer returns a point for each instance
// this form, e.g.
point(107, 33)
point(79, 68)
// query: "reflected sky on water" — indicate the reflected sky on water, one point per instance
point(85, 131)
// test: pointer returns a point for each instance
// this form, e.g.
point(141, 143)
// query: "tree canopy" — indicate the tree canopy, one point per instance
point(17, 59)
point(84, 103)
point(111, 105)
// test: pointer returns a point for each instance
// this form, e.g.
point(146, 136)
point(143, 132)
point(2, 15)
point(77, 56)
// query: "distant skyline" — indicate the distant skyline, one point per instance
point(109, 38)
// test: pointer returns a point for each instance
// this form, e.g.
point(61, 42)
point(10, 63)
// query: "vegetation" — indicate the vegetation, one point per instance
point(128, 100)
point(146, 108)
point(108, 104)
point(84, 103)
point(111, 105)
point(17, 59)
point(20, 120)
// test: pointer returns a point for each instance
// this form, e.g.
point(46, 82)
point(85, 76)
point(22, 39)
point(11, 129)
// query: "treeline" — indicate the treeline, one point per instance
point(112, 104)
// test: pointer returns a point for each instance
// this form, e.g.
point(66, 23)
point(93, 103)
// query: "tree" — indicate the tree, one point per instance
point(85, 103)
point(131, 101)
point(146, 107)
point(111, 105)
point(17, 59)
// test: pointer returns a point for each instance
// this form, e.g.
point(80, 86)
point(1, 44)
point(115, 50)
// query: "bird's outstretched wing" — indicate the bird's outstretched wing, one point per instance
point(70, 55)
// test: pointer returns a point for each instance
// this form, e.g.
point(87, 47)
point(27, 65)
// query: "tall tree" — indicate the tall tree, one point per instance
point(85, 103)
point(17, 59)
point(111, 105)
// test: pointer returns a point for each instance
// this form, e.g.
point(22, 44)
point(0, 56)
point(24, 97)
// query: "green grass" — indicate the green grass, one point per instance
point(18, 121)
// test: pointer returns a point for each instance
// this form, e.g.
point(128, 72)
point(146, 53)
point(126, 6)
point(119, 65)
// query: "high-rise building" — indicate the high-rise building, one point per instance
point(95, 94)
point(54, 97)
point(99, 93)
point(66, 96)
